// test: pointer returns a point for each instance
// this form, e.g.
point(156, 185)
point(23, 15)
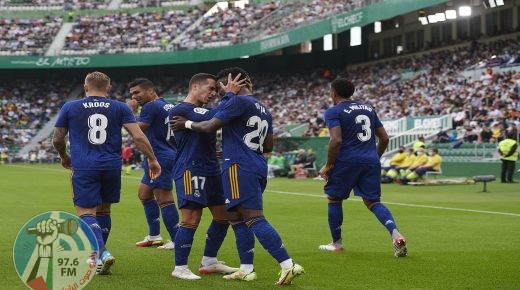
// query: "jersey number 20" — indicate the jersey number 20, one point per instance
point(260, 132)
point(365, 126)
point(97, 134)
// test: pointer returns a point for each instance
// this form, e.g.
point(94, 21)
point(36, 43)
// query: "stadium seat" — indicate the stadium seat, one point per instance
point(434, 173)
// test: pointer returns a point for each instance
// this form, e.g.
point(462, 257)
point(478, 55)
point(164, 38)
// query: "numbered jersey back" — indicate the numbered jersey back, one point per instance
point(155, 114)
point(358, 122)
point(247, 125)
point(95, 131)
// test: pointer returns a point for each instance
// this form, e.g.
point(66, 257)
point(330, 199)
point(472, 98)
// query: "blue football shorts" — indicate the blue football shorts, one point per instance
point(196, 192)
point(364, 179)
point(91, 188)
point(242, 188)
point(165, 180)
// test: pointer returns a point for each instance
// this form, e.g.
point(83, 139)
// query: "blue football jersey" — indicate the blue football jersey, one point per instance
point(196, 152)
point(94, 125)
point(358, 122)
point(155, 114)
point(247, 124)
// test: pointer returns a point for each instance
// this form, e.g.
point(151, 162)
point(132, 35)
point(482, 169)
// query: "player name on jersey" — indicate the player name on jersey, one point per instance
point(357, 107)
point(261, 108)
point(88, 105)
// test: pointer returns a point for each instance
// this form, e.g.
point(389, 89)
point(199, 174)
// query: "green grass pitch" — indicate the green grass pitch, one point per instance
point(458, 237)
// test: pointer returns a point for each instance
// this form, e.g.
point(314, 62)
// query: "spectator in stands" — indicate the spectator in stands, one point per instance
point(485, 135)
point(508, 149)
point(28, 36)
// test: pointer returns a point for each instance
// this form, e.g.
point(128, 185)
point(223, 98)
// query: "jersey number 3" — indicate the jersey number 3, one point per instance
point(97, 134)
point(365, 126)
point(260, 132)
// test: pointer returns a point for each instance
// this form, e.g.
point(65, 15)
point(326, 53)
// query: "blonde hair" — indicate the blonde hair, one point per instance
point(97, 80)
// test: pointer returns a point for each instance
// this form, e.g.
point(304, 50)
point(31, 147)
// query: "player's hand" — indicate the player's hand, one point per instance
point(219, 155)
point(65, 162)
point(324, 172)
point(233, 85)
point(132, 104)
point(177, 123)
point(155, 169)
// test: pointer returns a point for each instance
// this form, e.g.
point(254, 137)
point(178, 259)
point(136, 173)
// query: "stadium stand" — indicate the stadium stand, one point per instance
point(25, 107)
point(152, 3)
point(31, 5)
point(295, 13)
point(143, 32)
point(27, 36)
point(437, 82)
point(225, 26)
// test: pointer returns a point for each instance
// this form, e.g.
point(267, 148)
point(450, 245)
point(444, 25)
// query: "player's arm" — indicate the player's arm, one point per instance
point(60, 144)
point(334, 148)
point(268, 143)
point(206, 126)
point(178, 123)
point(143, 126)
point(334, 145)
point(383, 140)
point(144, 145)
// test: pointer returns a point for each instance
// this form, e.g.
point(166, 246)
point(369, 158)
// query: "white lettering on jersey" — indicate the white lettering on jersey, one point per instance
point(358, 107)
point(201, 111)
point(261, 108)
point(88, 105)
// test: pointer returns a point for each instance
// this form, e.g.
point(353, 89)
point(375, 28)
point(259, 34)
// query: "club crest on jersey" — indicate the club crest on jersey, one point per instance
point(201, 111)
point(167, 107)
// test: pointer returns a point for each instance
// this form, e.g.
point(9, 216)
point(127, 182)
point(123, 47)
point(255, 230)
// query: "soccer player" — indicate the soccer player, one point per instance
point(155, 194)
point(94, 125)
point(247, 133)
point(199, 185)
point(353, 163)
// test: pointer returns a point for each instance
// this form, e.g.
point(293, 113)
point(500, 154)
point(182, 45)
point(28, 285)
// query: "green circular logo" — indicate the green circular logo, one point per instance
point(55, 250)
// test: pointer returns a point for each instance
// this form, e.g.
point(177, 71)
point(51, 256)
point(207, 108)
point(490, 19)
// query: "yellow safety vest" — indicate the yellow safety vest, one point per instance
point(418, 145)
point(505, 146)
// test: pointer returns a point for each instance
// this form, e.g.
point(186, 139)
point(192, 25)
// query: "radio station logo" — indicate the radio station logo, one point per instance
point(55, 250)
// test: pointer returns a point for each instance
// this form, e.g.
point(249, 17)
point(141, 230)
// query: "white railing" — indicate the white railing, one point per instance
point(426, 128)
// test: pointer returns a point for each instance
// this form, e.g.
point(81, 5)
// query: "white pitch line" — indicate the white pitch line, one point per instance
point(406, 204)
point(323, 196)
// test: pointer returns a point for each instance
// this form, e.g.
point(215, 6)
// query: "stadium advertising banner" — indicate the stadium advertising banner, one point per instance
point(335, 24)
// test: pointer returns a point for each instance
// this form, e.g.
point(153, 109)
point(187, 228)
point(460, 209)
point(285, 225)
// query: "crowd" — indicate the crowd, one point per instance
point(226, 25)
point(440, 89)
point(27, 36)
point(52, 4)
point(124, 33)
point(295, 13)
point(484, 108)
point(152, 3)
point(25, 107)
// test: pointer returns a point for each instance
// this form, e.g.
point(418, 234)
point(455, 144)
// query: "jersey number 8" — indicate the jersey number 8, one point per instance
point(97, 134)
